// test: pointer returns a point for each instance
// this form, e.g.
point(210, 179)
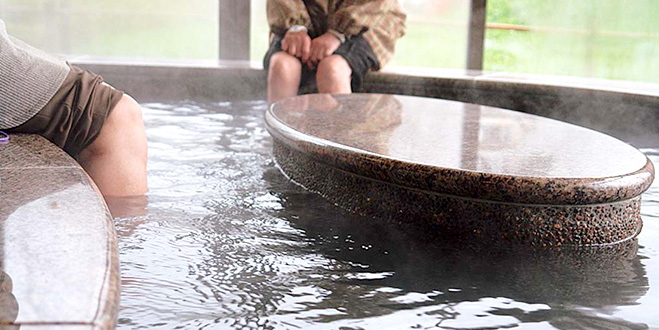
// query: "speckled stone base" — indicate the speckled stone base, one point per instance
point(542, 225)
point(463, 169)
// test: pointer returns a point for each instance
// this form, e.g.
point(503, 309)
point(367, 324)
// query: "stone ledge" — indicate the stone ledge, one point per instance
point(626, 110)
point(469, 171)
point(479, 220)
point(58, 252)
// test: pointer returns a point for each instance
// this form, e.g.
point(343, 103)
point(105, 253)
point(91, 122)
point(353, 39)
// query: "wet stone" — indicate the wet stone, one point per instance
point(58, 253)
point(462, 169)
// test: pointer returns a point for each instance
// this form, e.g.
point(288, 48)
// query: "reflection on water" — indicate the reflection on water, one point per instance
point(8, 303)
point(228, 242)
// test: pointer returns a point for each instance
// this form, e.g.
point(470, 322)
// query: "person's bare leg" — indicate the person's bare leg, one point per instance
point(334, 75)
point(116, 160)
point(284, 76)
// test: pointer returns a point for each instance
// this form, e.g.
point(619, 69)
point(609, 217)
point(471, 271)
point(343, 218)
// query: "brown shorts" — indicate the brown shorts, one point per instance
point(73, 117)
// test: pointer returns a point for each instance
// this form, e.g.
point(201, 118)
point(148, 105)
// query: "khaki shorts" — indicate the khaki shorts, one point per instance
point(73, 117)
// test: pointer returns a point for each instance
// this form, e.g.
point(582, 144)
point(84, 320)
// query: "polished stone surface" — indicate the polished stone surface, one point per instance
point(58, 255)
point(28, 151)
point(475, 153)
point(480, 152)
point(460, 135)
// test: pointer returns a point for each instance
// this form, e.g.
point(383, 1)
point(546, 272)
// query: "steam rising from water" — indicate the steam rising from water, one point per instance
point(228, 242)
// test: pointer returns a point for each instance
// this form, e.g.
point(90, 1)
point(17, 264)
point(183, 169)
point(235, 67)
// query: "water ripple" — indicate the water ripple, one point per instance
point(228, 242)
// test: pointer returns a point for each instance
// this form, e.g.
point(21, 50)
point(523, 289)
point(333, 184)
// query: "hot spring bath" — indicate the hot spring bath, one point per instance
point(227, 241)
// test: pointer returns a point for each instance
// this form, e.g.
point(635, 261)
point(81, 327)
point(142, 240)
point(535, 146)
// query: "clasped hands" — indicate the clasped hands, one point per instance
point(309, 51)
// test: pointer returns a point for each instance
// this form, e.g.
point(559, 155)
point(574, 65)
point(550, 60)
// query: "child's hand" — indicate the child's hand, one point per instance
point(323, 46)
point(297, 44)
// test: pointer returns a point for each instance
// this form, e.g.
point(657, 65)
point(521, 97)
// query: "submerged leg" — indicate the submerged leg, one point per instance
point(116, 160)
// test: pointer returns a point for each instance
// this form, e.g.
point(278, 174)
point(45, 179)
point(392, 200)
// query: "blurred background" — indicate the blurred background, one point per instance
point(610, 39)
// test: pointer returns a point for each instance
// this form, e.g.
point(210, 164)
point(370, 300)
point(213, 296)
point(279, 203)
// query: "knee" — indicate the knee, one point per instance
point(123, 128)
point(127, 117)
point(283, 64)
point(334, 68)
point(127, 114)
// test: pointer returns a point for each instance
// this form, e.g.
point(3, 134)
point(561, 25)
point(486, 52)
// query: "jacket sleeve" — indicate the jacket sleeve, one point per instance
point(380, 21)
point(282, 14)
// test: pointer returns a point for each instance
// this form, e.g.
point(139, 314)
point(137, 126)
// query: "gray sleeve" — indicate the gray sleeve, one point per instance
point(29, 78)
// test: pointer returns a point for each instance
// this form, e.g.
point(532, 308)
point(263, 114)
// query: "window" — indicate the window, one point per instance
point(162, 29)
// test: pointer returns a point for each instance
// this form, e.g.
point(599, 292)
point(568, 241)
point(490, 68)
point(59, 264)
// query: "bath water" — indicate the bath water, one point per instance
point(226, 241)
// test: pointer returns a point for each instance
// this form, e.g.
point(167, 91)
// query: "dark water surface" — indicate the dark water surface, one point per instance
point(228, 242)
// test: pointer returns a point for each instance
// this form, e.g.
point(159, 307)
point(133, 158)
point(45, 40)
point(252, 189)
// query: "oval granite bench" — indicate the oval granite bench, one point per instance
point(466, 169)
point(58, 255)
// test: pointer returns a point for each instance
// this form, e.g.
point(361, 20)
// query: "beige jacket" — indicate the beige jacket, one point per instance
point(380, 21)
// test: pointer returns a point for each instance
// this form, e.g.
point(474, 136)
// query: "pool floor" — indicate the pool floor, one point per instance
point(224, 240)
